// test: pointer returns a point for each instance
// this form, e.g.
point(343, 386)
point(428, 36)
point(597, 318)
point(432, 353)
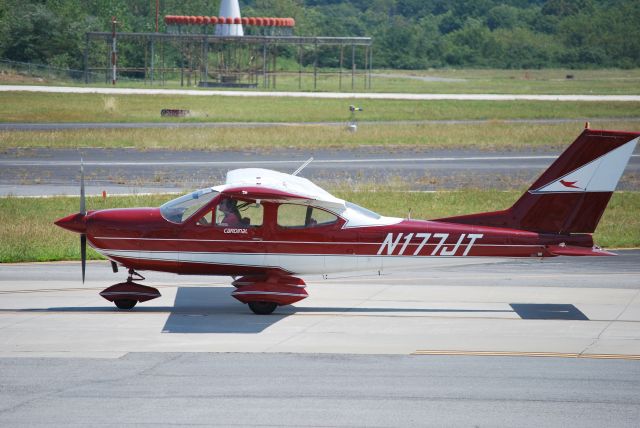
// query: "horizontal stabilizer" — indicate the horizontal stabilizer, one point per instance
point(567, 250)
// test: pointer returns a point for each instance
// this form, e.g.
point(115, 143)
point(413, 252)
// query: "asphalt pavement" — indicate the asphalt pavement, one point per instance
point(287, 390)
point(61, 126)
point(33, 172)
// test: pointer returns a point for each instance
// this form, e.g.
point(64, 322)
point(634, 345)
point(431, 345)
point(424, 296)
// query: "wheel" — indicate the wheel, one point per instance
point(125, 303)
point(262, 308)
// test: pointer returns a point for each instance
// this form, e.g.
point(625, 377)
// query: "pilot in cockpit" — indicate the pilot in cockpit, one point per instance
point(231, 213)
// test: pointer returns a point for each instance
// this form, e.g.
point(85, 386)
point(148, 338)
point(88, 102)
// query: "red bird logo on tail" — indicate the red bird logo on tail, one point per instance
point(571, 184)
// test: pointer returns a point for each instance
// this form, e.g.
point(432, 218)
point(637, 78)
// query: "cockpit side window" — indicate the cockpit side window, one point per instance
point(232, 212)
point(294, 216)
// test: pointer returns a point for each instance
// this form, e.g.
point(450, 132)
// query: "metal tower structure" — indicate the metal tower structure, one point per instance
point(214, 51)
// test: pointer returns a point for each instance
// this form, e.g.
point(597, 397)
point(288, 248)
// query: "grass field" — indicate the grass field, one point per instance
point(473, 81)
point(494, 135)
point(470, 81)
point(28, 232)
point(490, 81)
point(52, 107)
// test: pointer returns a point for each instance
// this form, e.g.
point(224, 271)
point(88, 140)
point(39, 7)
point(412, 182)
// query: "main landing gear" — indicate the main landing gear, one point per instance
point(262, 307)
point(125, 295)
point(264, 293)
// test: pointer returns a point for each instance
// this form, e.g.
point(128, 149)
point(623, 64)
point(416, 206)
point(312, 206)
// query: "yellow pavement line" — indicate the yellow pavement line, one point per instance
point(529, 354)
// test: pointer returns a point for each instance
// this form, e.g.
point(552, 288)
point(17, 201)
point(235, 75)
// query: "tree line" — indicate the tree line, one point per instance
point(408, 34)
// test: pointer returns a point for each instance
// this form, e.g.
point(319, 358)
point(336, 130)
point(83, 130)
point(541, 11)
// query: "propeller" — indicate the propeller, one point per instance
point(83, 212)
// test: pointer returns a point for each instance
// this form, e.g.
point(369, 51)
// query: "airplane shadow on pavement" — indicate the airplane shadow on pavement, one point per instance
point(214, 310)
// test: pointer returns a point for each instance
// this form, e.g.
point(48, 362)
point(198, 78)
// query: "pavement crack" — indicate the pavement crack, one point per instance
point(148, 370)
point(609, 324)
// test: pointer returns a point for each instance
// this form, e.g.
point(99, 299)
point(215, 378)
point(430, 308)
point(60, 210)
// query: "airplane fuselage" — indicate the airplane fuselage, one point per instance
point(142, 239)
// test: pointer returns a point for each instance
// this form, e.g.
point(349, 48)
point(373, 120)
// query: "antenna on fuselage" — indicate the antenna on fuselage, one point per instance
point(303, 166)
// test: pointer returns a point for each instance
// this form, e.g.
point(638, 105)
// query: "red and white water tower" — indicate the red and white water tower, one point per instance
point(230, 9)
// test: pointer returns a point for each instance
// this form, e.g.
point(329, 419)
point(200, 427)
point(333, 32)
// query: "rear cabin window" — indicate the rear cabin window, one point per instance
point(302, 216)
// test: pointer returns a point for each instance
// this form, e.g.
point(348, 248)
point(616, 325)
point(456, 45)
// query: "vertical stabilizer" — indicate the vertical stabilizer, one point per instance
point(572, 194)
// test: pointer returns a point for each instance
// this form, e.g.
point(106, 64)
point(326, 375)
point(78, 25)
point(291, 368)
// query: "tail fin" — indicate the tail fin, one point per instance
point(572, 194)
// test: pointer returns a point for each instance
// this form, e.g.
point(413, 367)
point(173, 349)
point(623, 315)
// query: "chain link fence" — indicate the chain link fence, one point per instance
point(49, 73)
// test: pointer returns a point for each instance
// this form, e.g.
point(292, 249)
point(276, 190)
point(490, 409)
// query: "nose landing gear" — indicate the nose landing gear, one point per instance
point(125, 295)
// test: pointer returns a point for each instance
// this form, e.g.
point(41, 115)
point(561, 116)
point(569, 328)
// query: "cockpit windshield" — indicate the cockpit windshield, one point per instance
point(179, 210)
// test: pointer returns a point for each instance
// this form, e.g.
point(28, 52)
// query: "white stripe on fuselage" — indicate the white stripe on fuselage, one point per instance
point(353, 243)
point(293, 263)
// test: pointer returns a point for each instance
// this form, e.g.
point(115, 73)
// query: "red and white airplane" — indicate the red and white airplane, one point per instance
point(267, 227)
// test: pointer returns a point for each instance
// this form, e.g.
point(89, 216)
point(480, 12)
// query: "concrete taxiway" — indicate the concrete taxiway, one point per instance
point(579, 306)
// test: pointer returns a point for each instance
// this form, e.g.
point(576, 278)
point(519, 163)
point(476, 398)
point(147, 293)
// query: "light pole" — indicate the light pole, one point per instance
point(114, 56)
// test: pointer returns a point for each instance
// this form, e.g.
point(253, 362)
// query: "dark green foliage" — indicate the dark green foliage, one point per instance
point(407, 33)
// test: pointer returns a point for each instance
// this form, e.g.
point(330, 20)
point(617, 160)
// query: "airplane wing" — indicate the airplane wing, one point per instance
point(262, 193)
point(267, 185)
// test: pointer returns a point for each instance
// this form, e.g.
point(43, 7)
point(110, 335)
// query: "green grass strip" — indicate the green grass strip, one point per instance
point(52, 107)
point(490, 136)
